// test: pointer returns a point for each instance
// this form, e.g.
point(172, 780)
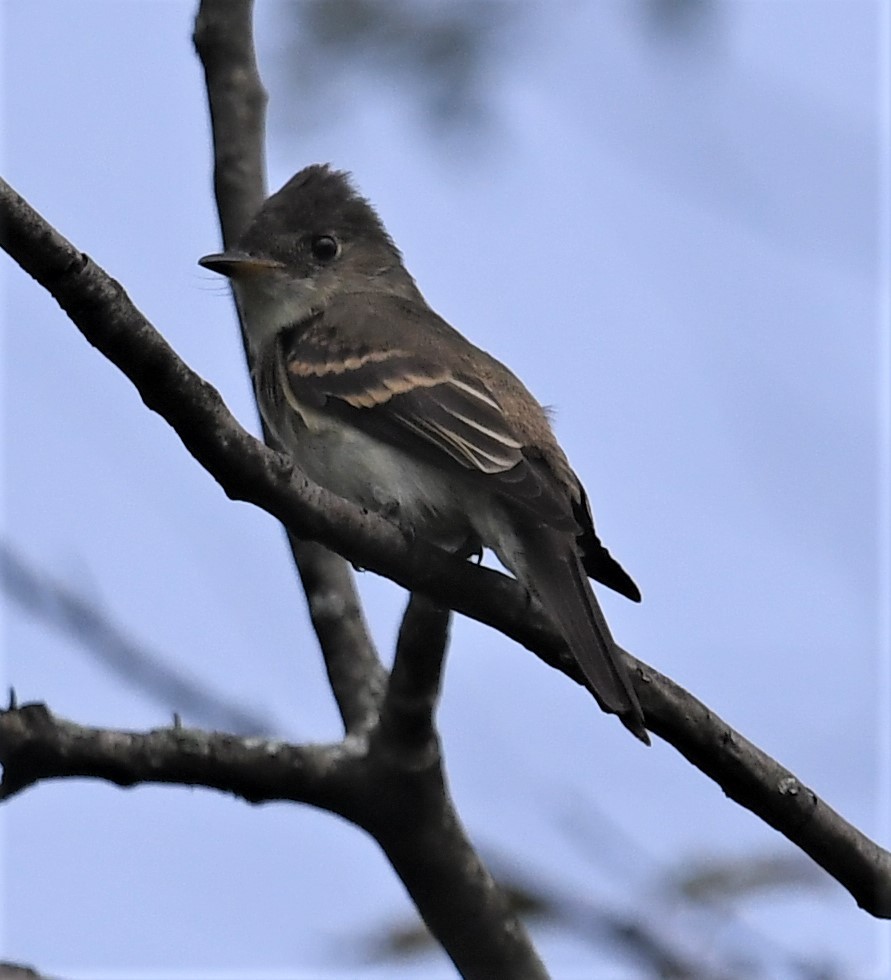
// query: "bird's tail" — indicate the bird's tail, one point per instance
point(546, 562)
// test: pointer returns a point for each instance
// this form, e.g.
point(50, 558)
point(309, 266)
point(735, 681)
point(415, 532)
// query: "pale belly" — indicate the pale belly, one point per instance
point(421, 499)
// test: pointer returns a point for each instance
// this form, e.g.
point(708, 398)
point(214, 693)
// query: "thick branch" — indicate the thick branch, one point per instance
point(420, 832)
point(398, 799)
point(248, 470)
point(36, 746)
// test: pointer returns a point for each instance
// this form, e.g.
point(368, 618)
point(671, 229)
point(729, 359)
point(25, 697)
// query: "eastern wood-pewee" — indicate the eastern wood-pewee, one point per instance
point(380, 401)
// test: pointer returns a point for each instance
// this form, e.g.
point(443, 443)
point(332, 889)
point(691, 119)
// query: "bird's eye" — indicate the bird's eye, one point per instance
point(325, 247)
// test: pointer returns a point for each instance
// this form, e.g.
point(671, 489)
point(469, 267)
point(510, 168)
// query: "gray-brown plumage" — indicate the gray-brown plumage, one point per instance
point(385, 404)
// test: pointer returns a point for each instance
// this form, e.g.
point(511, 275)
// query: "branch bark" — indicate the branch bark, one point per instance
point(248, 470)
point(392, 789)
point(408, 709)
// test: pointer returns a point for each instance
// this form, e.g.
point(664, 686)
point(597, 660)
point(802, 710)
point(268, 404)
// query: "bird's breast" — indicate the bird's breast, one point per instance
point(376, 476)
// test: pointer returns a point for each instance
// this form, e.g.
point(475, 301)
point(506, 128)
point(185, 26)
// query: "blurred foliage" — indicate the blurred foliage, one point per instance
point(15, 971)
point(66, 609)
point(442, 59)
point(736, 878)
point(679, 924)
point(442, 56)
point(627, 935)
point(681, 20)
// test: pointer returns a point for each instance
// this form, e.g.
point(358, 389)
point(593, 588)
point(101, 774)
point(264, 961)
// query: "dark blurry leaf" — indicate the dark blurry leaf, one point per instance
point(440, 58)
point(711, 880)
point(15, 971)
point(633, 940)
point(402, 940)
point(679, 20)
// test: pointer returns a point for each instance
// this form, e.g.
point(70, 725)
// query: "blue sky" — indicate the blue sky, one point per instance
point(681, 245)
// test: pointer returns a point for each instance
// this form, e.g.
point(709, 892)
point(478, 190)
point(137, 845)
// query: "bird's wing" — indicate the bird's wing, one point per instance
point(397, 391)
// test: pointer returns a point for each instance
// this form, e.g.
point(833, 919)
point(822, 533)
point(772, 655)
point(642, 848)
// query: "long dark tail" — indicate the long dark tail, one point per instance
point(547, 564)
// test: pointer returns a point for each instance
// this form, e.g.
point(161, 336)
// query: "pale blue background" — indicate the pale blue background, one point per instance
point(681, 243)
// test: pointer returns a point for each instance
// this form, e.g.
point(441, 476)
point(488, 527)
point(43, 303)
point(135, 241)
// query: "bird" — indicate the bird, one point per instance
point(379, 400)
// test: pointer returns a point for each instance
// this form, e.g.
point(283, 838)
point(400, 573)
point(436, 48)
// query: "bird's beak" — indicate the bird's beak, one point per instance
point(238, 264)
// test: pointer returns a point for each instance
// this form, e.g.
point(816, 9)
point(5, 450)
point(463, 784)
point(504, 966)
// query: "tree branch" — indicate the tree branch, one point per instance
point(357, 677)
point(36, 746)
point(400, 800)
point(407, 712)
point(750, 777)
point(248, 470)
point(223, 39)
